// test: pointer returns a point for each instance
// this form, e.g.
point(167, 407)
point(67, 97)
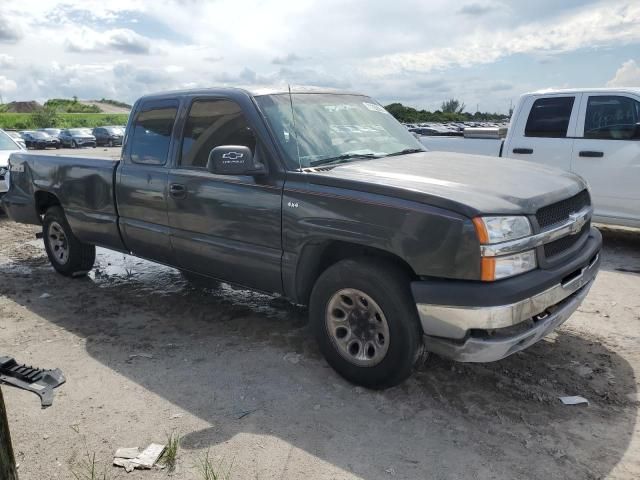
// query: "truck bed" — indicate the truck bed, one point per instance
point(84, 187)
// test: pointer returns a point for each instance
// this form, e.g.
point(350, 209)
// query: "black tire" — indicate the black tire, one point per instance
point(110, 144)
point(74, 144)
point(79, 257)
point(388, 286)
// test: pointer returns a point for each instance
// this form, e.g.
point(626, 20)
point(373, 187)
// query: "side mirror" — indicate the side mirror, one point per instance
point(234, 160)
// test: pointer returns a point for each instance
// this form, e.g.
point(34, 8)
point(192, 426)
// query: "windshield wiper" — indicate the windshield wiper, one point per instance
point(405, 152)
point(341, 158)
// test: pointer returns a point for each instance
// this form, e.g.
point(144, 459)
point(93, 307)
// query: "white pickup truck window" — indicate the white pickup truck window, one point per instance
point(549, 117)
point(612, 118)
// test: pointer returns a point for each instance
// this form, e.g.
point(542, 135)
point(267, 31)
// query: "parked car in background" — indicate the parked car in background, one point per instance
point(594, 133)
point(54, 132)
point(8, 145)
point(77, 137)
point(16, 137)
point(110, 136)
point(40, 140)
point(22, 133)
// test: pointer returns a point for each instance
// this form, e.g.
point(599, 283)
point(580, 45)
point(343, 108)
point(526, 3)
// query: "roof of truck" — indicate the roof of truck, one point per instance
point(254, 91)
point(547, 91)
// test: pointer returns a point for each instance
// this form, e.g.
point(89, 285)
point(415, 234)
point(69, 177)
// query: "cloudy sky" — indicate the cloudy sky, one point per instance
point(483, 52)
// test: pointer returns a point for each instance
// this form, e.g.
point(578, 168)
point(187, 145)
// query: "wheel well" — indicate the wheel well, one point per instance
point(315, 259)
point(45, 200)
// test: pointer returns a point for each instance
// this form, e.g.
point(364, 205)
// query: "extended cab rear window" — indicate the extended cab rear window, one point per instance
point(549, 117)
point(152, 134)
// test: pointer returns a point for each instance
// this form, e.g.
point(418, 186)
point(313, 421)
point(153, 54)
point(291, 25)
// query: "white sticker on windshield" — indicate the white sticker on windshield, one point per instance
point(374, 108)
point(337, 108)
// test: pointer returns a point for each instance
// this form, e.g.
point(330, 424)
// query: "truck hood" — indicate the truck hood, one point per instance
point(468, 184)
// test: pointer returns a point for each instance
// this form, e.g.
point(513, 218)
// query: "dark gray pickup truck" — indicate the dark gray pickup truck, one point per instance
point(324, 198)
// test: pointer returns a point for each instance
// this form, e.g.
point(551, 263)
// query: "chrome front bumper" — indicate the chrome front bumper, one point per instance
point(484, 334)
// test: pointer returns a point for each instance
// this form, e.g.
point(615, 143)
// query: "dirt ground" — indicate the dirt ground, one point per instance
point(236, 374)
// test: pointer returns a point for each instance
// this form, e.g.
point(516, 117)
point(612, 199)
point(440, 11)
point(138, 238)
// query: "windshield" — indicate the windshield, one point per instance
point(6, 143)
point(113, 130)
point(39, 135)
point(332, 128)
point(78, 131)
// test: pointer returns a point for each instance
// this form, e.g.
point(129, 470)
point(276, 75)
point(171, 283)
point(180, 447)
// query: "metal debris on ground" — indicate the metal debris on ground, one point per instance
point(574, 400)
point(36, 380)
point(131, 458)
point(139, 355)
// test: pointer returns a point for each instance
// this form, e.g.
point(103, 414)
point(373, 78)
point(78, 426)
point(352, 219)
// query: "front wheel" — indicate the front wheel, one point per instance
point(365, 322)
point(68, 255)
point(74, 144)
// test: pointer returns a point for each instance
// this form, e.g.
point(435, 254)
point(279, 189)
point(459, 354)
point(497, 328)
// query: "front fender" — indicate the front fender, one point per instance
point(432, 241)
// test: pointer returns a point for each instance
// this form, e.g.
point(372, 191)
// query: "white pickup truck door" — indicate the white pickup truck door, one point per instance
point(607, 154)
point(543, 129)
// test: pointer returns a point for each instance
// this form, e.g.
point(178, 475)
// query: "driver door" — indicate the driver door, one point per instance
point(224, 226)
point(606, 153)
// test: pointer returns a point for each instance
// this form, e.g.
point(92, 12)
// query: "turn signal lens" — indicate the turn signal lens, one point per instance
point(496, 268)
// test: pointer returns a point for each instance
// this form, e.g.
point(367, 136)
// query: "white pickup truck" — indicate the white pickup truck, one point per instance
point(592, 132)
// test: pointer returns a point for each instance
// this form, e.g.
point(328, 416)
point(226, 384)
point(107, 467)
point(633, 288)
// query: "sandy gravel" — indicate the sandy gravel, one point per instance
point(236, 374)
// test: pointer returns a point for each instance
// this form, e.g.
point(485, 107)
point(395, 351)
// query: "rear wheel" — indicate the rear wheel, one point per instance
point(68, 255)
point(365, 322)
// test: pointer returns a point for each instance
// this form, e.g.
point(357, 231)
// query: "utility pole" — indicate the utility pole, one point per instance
point(7, 460)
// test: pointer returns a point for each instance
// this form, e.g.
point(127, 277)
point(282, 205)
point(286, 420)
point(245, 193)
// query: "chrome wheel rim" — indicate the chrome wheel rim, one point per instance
point(357, 327)
point(58, 244)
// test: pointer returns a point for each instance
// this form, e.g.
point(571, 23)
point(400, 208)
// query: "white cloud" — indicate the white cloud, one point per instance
point(608, 24)
point(410, 50)
point(7, 85)
point(10, 31)
point(87, 40)
point(628, 75)
point(6, 61)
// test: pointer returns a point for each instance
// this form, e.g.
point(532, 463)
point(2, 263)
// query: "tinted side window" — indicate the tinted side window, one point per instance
point(152, 135)
point(210, 124)
point(612, 118)
point(549, 117)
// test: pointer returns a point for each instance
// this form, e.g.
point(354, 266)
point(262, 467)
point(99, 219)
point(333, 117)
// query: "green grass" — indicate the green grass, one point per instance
point(87, 467)
point(171, 451)
point(70, 106)
point(209, 471)
point(24, 121)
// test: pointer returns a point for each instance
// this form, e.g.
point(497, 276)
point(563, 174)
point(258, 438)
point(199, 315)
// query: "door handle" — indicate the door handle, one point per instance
point(591, 154)
point(177, 191)
point(523, 151)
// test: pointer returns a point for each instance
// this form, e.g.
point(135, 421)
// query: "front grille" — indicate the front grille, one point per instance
point(559, 212)
point(565, 243)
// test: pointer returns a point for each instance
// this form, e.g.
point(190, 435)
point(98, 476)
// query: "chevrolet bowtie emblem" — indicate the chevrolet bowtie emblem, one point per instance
point(578, 220)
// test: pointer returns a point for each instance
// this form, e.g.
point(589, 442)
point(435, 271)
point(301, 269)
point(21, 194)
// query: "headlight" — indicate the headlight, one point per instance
point(496, 268)
point(492, 230)
point(501, 229)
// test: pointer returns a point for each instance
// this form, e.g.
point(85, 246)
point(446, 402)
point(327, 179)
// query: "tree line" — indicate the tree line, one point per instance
point(450, 111)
